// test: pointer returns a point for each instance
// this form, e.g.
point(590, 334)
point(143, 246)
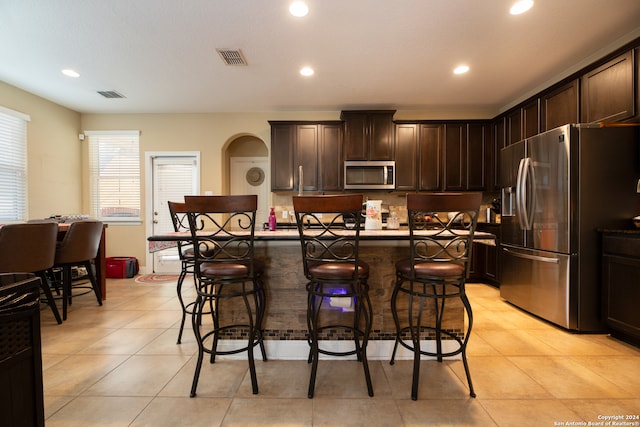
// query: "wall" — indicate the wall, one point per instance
point(53, 153)
point(209, 133)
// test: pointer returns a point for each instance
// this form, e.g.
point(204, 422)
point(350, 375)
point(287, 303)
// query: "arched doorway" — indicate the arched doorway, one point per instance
point(247, 171)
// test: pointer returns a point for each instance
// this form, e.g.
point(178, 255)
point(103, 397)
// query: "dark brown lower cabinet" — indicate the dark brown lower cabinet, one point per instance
point(485, 259)
point(621, 285)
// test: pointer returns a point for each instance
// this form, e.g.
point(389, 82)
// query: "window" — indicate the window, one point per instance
point(114, 168)
point(13, 165)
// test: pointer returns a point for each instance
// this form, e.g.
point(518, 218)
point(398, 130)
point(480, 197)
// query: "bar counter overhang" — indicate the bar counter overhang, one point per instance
point(285, 324)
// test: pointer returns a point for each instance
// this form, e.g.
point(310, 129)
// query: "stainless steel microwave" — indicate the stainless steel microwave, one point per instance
point(369, 175)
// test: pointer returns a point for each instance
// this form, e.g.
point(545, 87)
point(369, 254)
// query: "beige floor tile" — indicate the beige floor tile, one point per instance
point(156, 319)
point(269, 412)
point(623, 371)
point(355, 412)
point(98, 412)
point(183, 411)
point(139, 376)
point(437, 380)
point(564, 378)
point(279, 379)
point(477, 346)
point(453, 412)
point(579, 344)
point(68, 339)
point(123, 341)
point(499, 378)
point(345, 379)
point(165, 343)
point(592, 410)
point(515, 343)
point(529, 412)
point(77, 373)
point(220, 379)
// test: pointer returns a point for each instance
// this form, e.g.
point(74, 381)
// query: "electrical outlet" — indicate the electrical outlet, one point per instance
point(285, 214)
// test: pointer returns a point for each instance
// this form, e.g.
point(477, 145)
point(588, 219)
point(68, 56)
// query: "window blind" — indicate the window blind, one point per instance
point(114, 168)
point(13, 166)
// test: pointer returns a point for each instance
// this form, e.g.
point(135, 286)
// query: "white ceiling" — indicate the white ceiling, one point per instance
point(397, 54)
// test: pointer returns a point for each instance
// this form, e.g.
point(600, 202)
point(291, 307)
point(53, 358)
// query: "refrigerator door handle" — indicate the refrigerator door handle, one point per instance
point(529, 179)
point(532, 257)
point(520, 196)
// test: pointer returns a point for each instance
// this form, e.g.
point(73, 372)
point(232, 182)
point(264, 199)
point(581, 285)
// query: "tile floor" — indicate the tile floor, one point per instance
point(119, 365)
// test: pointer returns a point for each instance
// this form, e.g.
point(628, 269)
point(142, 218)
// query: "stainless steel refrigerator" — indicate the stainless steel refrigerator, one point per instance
point(558, 188)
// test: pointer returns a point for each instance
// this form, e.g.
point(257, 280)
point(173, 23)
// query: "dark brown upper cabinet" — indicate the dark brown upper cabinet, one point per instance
point(406, 156)
point(430, 157)
point(608, 93)
point(530, 119)
point(314, 146)
point(497, 143)
point(455, 156)
point(559, 107)
point(513, 122)
point(330, 161)
point(477, 157)
point(368, 135)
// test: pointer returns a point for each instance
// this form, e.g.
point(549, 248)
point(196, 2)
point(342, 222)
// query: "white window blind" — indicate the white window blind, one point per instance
point(114, 164)
point(13, 166)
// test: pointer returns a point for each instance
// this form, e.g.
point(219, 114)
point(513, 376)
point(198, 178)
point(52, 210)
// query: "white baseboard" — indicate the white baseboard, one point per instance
point(299, 350)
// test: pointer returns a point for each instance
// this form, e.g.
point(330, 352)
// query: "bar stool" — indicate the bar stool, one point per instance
point(78, 247)
point(441, 228)
point(180, 222)
point(30, 248)
point(227, 274)
point(337, 279)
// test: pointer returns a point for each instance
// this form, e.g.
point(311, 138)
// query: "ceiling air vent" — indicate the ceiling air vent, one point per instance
point(111, 94)
point(232, 56)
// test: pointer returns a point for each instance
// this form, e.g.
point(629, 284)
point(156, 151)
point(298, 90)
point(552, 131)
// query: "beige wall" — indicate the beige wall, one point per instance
point(53, 153)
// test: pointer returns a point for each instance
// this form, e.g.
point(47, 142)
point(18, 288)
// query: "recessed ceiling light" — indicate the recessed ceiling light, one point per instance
point(70, 73)
point(306, 71)
point(298, 8)
point(461, 69)
point(521, 7)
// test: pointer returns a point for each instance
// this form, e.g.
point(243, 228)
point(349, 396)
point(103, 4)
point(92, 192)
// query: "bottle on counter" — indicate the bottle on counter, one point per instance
point(272, 220)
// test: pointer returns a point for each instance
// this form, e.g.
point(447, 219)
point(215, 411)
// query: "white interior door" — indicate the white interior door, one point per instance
point(249, 175)
point(174, 176)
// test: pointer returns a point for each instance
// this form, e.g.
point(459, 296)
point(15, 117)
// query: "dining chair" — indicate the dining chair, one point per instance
point(78, 247)
point(30, 248)
point(229, 279)
point(441, 229)
point(337, 289)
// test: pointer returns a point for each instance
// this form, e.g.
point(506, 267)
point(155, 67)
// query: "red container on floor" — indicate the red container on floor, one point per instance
point(121, 267)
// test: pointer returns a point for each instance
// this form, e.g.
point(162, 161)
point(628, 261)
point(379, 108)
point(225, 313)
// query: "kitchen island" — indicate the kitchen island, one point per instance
point(285, 324)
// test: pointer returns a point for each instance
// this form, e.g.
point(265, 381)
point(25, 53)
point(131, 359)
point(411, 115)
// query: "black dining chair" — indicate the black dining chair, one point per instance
point(441, 229)
point(337, 288)
point(30, 248)
point(78, 247)
point(229, 279)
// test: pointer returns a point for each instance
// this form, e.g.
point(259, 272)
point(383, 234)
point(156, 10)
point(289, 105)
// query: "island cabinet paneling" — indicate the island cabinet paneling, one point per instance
point(406, 156)
point(560, 106)
point(607, 92)
point(317, 147)
point(368, 135)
